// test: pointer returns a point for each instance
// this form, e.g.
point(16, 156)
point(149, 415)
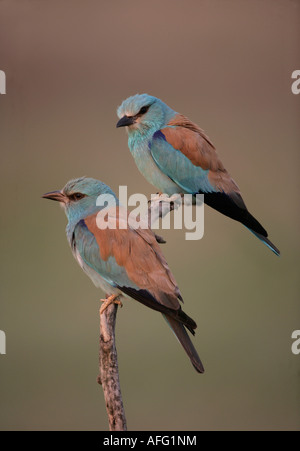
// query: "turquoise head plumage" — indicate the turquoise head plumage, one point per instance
point(80, 197)
point(143, 114)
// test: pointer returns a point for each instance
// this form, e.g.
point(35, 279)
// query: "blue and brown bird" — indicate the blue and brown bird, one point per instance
point(176, 156)
point(122, 260)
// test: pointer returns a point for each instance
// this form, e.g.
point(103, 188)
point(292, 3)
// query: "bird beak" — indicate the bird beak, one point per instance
point(125, 121)
point(55, 195)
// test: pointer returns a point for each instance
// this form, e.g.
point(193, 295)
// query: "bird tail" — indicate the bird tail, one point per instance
point(183, 338)
point(266, 241)
point(233, 206)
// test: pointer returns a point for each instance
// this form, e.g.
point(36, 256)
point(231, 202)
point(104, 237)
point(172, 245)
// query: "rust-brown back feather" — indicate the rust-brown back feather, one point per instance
point(191, 140)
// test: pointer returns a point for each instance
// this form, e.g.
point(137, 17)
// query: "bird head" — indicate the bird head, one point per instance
point(143, 113)
point(79, 198)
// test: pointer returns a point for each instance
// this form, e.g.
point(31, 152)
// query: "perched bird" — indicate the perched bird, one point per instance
point(122, 260)
point(176, 156)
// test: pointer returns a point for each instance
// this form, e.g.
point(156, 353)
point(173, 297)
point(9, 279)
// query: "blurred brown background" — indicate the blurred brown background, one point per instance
point(226, 65)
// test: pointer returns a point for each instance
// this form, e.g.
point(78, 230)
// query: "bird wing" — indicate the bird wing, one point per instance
point(131, 260)
point(184, 153)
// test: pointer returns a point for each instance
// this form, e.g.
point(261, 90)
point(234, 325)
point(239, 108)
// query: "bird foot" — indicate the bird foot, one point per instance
point(175, 200)
point(113, 299)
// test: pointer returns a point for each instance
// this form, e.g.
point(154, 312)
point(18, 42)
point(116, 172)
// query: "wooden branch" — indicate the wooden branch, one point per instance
point(109, 371)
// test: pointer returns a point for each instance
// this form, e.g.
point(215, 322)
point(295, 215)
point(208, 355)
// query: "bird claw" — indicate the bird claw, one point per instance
point(160, 239)
point(113, 299)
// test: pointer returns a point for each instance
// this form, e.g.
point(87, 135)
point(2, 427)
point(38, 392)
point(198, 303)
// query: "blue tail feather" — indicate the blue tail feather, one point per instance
point(266, 241)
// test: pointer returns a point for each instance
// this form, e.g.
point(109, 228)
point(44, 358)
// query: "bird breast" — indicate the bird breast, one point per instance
point(151, 171)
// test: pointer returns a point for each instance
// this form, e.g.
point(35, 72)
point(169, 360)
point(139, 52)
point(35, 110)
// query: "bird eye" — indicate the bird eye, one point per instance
point(144, 109)
point(76, 196)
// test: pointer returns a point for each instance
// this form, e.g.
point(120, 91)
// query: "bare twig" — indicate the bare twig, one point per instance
point(109, 372)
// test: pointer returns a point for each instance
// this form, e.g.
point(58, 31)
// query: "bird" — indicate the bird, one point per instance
point(124, 261)
point(176, 156)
